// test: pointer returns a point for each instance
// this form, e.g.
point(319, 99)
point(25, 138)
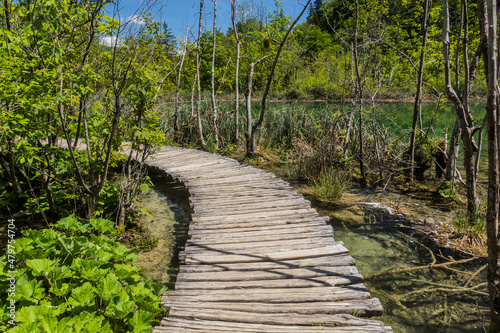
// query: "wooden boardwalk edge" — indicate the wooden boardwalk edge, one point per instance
point(259, 258)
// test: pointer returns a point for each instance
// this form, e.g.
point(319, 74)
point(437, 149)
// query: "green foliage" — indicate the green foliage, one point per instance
point(447, 191)
point(329, 185)
point(75, 278)
point(472, 228)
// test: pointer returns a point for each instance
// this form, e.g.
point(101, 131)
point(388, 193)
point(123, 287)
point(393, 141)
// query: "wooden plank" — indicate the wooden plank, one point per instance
point(269, 274)
point(328, 320)
point(266, 256)
point(270, 295)
point(263, 236)
point(327, 281)
point(210, 208)
point(240, 230)
point(256, 219)
point(257, 242)
point(276, 213)
point(328, 260)
point(258, 246)
point(171, 324)
point(364, 307)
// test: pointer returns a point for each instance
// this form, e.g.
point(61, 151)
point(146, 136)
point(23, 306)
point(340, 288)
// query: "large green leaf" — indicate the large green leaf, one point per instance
point(41, 267)
point(141, 321)
point(104, 226)
point(109, 287)
point(28, 290)
point(82, 296)
point(120, 306)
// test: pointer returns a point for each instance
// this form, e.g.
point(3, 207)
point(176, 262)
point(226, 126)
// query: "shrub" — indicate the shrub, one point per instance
point(76, 278)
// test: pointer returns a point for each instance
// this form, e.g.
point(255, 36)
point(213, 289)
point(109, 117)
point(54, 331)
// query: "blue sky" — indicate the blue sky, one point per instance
point(180, 14)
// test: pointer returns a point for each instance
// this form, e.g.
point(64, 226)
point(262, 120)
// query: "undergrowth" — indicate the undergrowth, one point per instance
point(77, 278)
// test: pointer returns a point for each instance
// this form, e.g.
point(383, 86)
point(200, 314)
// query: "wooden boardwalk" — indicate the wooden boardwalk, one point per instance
point(259, 258)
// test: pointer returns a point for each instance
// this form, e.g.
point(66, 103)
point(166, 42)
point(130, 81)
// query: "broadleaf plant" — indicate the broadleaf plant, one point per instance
point(76, 278)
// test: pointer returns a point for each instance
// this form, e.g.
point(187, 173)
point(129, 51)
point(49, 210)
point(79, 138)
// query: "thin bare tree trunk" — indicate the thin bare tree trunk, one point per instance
point(359, 98)
point(237, 73)
point(198, 101)
point(214, 104)
point(418, 96)
point(270, 78)
point(451, 165)
point(248, 96)
point(463, 113)
point(178, 86)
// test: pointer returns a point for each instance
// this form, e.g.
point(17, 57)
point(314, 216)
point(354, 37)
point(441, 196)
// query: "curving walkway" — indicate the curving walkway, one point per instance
point(259, 258)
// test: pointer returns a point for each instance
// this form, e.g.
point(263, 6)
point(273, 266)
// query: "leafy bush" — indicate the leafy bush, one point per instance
point(75, 278)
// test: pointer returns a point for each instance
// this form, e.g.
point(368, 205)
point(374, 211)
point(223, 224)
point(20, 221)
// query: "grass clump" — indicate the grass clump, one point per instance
point(330, 185)
point(470, 228)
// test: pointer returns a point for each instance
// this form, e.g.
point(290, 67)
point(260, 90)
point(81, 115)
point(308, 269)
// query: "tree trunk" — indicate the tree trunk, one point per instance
point(463, 113)
point(418, 96)
point(178, 86)
point(270, 78)
point(492, 115)
point(214, 104)
point(451, 165)
point(236, 74)
point(198, 101)
point(359, 98)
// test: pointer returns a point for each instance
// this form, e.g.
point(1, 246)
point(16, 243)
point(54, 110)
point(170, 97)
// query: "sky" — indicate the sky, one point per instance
point(182, 14)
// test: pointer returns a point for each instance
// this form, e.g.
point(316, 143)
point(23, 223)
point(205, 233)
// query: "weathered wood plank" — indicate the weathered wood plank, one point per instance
point(224, 326)
point(262, 236)
point(328, 281)
point(328, 260)
point(264, 256)
point(328, 320)
point(260, 247)
point(364, 307)
point(269, 274)
point(271, 295)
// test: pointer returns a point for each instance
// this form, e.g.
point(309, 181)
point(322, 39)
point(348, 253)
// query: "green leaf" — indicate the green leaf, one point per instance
point(104, 226)
point(109, 287)
point(28, 290)
point(60, 288)
point(41, 267)
point(119, 307)
point(82, 296)
point(60, 273)
point(142, 321)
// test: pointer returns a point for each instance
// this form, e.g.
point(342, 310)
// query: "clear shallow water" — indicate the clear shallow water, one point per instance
point(168, 206)
point(426, 300)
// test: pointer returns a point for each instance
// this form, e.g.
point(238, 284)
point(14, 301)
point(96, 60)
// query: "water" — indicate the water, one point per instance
point(442, 299)
point(168, 205)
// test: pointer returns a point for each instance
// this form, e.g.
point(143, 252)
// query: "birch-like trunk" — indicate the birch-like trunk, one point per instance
point(214, 104)
point(198, 85)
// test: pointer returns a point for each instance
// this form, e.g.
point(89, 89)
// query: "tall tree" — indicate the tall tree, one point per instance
point(237, 72)
point(462, 106)
point(198, 85)
point(212, 81)
point(488, 9)
point(418, 97)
